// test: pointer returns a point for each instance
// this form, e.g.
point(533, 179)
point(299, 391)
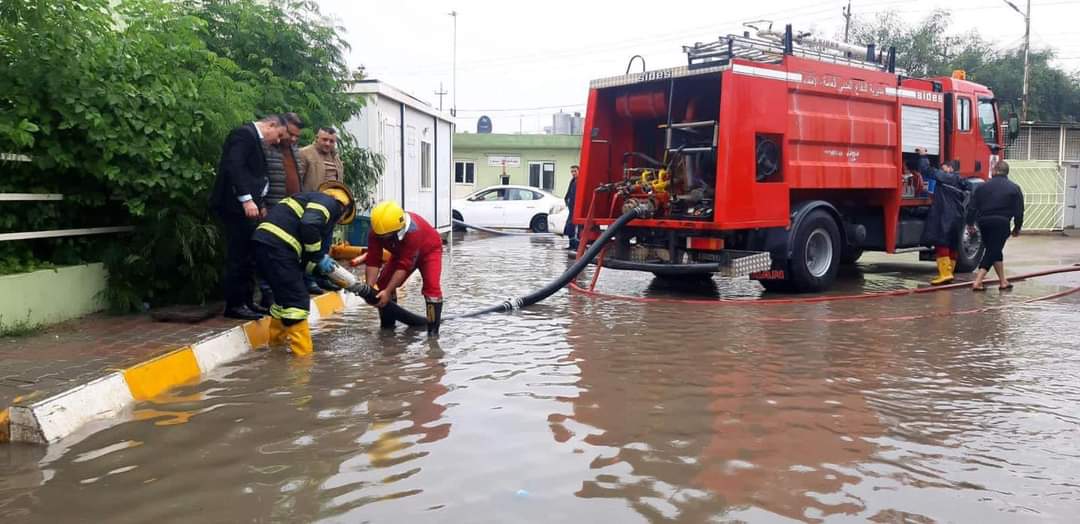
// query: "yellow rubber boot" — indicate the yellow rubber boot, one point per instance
point(299, 337)
point(277, 331)
point(945, 272)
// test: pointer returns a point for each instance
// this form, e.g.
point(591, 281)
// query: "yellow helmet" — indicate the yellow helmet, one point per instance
point(388, 218)
point(344, 196)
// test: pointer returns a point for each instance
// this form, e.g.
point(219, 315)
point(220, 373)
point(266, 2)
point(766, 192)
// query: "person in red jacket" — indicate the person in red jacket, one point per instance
point(413, 245)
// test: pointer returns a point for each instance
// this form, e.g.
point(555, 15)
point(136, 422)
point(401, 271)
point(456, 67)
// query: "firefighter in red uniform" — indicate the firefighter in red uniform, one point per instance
point(413, 244)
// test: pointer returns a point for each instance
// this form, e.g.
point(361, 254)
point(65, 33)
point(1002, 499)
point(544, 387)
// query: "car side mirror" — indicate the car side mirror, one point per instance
point(1014, 127)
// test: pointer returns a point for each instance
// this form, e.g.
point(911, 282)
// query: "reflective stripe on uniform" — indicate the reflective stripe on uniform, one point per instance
point(314, 247)
point(282, 234)
point(288, 313)
point(294, 205)
point(321, 208)
point(310, 268)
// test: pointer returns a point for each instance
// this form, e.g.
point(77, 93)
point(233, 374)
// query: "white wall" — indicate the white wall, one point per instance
point(379, 127)
point(445, 178)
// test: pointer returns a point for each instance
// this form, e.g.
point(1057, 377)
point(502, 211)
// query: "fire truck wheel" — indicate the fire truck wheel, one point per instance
point(539, 224)
point(816, 254)
point(850, 255)
point(971, 251)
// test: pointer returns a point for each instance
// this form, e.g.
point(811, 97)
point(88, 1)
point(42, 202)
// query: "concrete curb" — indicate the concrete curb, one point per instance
point(51, 419)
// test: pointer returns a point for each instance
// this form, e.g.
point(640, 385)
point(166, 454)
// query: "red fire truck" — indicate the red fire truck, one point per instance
point(777, 156)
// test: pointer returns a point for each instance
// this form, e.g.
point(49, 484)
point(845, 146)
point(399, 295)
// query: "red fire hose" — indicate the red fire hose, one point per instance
point(827, 298)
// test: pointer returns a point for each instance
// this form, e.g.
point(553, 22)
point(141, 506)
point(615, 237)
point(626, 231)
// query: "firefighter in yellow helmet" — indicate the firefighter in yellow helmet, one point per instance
point(294, 239)
point(413, 245)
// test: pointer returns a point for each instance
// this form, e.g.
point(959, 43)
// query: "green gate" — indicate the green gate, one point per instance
point(1043, 183)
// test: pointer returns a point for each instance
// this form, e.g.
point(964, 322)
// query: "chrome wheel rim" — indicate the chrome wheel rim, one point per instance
point(819, 252)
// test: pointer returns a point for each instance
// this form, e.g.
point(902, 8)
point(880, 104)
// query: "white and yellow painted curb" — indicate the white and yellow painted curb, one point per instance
point(53, 418)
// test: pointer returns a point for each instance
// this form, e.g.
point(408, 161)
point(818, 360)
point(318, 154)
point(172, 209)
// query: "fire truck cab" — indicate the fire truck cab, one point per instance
point(776, 157)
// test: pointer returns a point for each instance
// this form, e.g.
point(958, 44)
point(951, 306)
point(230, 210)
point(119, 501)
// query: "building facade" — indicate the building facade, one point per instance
point(415, 141)
point(541, 161)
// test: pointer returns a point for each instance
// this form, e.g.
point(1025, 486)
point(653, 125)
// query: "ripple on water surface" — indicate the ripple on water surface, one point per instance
point(585, 409)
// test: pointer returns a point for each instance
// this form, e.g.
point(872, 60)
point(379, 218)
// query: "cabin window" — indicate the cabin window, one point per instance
point(963, 114)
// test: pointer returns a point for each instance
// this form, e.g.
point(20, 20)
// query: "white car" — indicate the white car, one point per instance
point(517, 207)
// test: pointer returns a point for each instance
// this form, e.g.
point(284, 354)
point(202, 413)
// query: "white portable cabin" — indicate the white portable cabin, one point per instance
point(415, 141)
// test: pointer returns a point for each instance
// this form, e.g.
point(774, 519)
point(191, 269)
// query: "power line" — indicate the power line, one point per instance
point(519, 109)
point(680, 35)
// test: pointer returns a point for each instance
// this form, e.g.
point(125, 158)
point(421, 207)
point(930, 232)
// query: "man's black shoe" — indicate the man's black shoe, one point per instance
point(313, 288)
point(258, 309)
point(242, 313)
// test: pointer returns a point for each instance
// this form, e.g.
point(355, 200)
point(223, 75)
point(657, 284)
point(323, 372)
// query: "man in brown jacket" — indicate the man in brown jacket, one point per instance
point(320, 161)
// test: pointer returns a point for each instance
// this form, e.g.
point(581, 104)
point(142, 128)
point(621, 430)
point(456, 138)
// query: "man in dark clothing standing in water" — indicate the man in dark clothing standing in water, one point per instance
point(995, 206)
point(570, 230)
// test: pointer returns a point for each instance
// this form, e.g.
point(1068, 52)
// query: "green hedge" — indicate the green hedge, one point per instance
point(123, 107)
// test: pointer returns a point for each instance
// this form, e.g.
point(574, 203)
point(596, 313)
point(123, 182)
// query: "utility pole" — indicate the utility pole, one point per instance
point(440, 92)
point(453, 82)
point(847, 21)
point(1027, 50)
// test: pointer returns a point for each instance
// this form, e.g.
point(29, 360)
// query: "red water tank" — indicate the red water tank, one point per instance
point(642, 105)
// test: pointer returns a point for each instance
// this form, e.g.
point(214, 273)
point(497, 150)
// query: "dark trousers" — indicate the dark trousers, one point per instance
point(239, 260)
point(570, 230)
point(995, 231)
point(280, 266)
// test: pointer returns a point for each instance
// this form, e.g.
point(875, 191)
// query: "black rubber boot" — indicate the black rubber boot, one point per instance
point(386, 321)
point(434, 316)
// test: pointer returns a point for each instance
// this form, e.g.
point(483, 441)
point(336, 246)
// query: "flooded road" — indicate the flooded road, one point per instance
point(584, 409)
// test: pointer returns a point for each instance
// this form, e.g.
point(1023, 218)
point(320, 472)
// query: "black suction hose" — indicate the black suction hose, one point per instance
point(510, 304)
point(393, 309)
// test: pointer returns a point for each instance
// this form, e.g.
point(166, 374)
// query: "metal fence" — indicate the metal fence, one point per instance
point(1044, 159)
point(1057, 142)
point(1043, 183)
point(46, 197)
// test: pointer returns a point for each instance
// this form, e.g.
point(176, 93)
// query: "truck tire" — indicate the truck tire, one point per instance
point(850, 255)
point(816, 253)
point(971, 251)
point(971, 247)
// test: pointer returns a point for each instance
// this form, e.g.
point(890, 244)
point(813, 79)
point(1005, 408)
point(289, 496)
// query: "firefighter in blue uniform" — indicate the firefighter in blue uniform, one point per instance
point(291, 242)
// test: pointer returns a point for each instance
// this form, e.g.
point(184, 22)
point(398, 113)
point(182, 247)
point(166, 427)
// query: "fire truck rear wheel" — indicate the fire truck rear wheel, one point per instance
point(971, 251)
point(816, 254)
point(850, 255)
point(539, 224)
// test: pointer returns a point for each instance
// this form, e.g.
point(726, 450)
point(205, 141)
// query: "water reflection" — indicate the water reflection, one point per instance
point(590, 410)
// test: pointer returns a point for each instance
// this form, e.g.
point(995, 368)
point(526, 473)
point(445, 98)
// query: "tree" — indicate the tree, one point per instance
point(123, 106)
point(928, 49)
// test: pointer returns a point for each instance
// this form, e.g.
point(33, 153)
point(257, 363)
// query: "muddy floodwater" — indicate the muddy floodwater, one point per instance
point(951, 407)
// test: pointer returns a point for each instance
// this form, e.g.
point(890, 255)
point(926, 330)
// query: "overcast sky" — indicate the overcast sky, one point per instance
point(519, 62)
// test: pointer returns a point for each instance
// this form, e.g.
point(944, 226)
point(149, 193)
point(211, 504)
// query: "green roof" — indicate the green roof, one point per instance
point(505, 141)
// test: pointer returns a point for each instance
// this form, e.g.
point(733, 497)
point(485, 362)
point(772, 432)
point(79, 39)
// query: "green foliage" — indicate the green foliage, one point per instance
point(123, 107)
point(928, 49)
point(362, 170)
point(19, 328)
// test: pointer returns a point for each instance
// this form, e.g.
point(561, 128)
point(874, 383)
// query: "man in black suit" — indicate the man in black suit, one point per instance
point(237, 200)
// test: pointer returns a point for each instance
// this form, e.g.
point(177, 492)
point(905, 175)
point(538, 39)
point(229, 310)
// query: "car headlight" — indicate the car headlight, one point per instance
point(558, 208)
